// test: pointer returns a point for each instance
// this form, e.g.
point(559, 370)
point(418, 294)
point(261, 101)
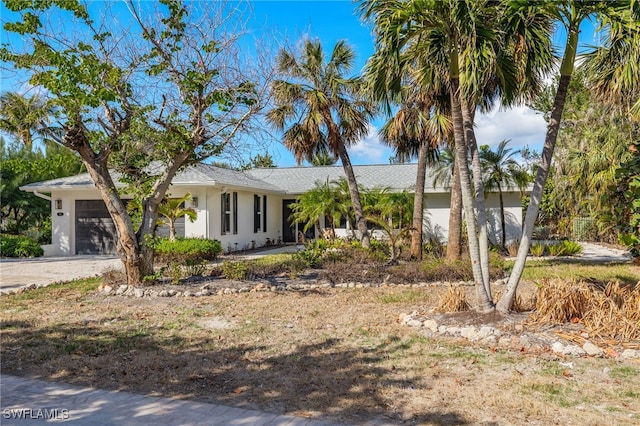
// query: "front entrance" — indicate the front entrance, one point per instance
point(289, 228)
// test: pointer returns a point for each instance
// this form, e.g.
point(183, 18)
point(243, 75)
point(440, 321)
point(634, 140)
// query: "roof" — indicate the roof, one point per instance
point(297, 180)
point(287, 180)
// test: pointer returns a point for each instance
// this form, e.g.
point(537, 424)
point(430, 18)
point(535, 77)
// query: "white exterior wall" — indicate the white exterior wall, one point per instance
point(208, 223)
point(63, 237)
point(244, 237)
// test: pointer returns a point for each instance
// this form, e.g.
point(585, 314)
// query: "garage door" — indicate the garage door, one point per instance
point(95, 231)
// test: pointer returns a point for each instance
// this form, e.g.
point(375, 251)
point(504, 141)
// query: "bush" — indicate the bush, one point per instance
point(187, 251)
point(556, 249)
point(537, 250)
point(571, 248)
point(19, 246)
point(234, 270)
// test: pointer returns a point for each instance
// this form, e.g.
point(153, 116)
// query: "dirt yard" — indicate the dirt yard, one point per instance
point(338, 354)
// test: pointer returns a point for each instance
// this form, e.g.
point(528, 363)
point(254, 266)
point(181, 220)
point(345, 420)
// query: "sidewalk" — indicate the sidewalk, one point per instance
point(40, 402)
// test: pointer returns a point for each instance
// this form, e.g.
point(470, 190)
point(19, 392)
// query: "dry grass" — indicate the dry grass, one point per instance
point(611, 311)
point(454, 300)
point(336, 354)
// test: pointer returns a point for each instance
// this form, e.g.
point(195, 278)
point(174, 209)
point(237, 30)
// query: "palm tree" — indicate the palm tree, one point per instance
point(501, 170)
point(445, 173)
point(462, 45)
point(323, 159)
point(22, 116)
point(173, 209)
point(321, 110)
point(570, 14)
point(415, 132)
point(392, 212)
point(325, 200)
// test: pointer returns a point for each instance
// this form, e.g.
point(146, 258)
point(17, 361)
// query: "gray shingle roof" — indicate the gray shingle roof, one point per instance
point(296, 180)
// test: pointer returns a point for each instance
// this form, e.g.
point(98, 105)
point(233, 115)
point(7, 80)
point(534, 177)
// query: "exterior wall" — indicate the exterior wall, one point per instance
point(208, 223)
point(437, 216)
point(244, 237)
point(63, 237)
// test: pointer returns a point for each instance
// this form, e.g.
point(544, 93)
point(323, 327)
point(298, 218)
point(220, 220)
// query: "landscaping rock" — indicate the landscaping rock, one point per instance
point(630, 354)
point(574, 350)
point(107, 289)
point(558, 348)
point(431, 325)
point(592, 350)
point(138, 292)
point(470, 333)
point(414, 323)
point(122, 289)
point(163, 293)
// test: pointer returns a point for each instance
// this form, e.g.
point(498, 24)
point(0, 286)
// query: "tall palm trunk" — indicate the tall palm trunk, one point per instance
point(361, 223)
point(468, 114)
point(418, 203)
point(502, 220)
point(483, 300)
point(455, 218)
point(566, 70)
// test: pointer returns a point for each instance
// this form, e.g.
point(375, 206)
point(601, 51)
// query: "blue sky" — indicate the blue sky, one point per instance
point(330, 21)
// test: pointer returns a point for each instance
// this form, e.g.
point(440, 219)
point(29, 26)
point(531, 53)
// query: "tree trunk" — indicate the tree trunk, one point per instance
point(566, 70)
point(468, 114)
point(483, 300)
point(502, 221)
point(136, 265)
point(455, 218)
point(172, 230)
point(418, 203)
point(361, 223)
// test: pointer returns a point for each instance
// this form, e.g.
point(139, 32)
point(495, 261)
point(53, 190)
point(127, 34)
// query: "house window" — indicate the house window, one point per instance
point(225, 202)
point(235, 212)
point(257, 213)
point(264, 213)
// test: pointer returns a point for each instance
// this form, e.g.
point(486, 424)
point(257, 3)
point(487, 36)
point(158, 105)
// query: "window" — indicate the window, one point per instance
point(235, 212)
point(257, 213)
point(225, 202)
point(264, 213)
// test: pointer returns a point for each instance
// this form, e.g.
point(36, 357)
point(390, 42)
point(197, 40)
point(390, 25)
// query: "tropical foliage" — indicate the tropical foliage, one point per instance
point(322, 110)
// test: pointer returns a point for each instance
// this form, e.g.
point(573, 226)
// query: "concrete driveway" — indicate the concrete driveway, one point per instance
point(15, 273)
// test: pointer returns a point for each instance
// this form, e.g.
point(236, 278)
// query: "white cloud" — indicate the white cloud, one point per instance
point(521, 124)
point(370, 150)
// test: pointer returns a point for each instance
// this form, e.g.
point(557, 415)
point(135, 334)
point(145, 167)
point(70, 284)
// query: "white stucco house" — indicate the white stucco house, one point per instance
point(243, 209)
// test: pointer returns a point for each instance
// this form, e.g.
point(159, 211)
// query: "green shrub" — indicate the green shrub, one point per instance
point(234, 270)
point(556, 249)
point(19, 246)
point(571, 248)
point(187, 251)
point(537, 250)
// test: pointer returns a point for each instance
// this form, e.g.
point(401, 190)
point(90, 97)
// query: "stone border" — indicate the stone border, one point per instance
point(492, 336)
point(210, 290)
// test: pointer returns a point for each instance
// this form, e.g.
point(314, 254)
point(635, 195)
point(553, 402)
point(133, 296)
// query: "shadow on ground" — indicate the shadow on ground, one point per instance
point(326, 379)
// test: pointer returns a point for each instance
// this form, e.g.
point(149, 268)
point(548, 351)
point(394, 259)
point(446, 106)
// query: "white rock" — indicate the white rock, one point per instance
point(558, 347)
point(574, 350)
point(504, 342)
point(591, 349)
point(490, 340)
point(121, 289)
point(486, 332)
point(163, 293)
point(138, 292)
point(630, 354)
point(469, 332)
point(454, 331)
point(107, 289)
point(414, 323)
point(431, 325)
point(442, 329)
